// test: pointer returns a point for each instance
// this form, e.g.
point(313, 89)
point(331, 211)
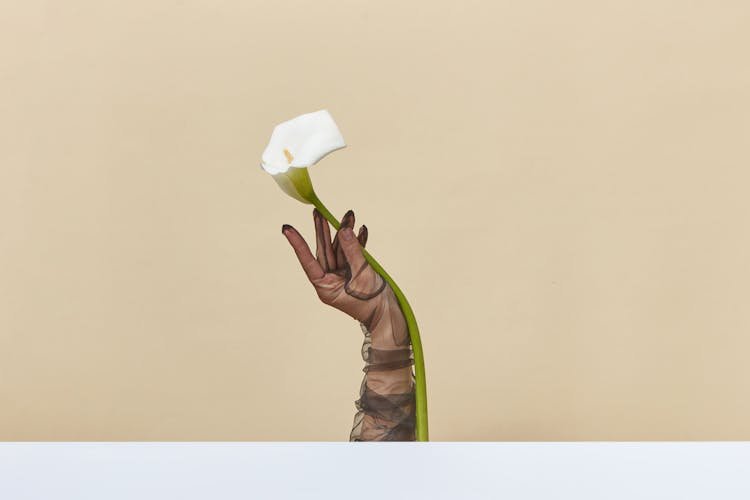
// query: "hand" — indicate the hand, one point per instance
point(339, 272)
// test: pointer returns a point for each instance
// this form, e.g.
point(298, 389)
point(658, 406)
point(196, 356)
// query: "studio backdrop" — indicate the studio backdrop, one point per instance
point(560, 188)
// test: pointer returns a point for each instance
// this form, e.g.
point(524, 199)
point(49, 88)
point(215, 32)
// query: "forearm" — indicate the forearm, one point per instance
point(386, 405)
point(389, 360)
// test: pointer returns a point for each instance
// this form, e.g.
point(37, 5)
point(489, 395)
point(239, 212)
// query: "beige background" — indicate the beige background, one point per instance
point(560, 188)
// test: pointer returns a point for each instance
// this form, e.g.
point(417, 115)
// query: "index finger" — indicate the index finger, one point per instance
point(309, 263)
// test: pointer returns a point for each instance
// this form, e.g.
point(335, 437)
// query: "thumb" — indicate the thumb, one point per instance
point(352, 250)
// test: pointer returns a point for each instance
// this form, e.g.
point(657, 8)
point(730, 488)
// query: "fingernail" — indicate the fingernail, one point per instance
point(346, 221)
point(285, 227)
point(347, 234)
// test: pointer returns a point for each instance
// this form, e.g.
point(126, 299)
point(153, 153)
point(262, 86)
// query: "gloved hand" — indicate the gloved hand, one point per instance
point(343, 279)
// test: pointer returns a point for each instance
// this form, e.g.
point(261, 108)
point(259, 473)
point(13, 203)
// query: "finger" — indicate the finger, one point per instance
point(330, 256)
point(352, 250)
point(322, 251)
point(338, 254)
point(346, 221)
point(362, 236)
point(306, 259)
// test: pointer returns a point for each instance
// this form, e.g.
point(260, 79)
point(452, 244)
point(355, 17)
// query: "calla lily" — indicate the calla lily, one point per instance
point(299, 143)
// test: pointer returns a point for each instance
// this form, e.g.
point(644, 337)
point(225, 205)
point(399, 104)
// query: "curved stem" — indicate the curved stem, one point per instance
point(411, 322)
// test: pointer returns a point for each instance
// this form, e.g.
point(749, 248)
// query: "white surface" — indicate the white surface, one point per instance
point(374, 470)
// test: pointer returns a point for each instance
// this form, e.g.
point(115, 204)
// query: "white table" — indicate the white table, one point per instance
point(111, 471)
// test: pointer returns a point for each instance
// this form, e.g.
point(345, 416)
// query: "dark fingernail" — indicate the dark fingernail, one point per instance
point(285, 227)
point(348, 217)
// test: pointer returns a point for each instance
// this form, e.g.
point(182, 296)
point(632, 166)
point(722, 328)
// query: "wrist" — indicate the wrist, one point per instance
point(388, 327)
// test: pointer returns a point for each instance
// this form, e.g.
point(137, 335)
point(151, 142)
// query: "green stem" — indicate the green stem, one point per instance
point(411, 323)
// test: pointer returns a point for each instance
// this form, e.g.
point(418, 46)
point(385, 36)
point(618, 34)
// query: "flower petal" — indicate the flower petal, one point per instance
point(306, 138)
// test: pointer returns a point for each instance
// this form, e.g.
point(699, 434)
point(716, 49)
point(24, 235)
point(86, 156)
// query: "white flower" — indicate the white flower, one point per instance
point(295, 145)
point(301, 142)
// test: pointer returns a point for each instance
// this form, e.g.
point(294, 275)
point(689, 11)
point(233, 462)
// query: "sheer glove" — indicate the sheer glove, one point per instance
point(343, 279)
